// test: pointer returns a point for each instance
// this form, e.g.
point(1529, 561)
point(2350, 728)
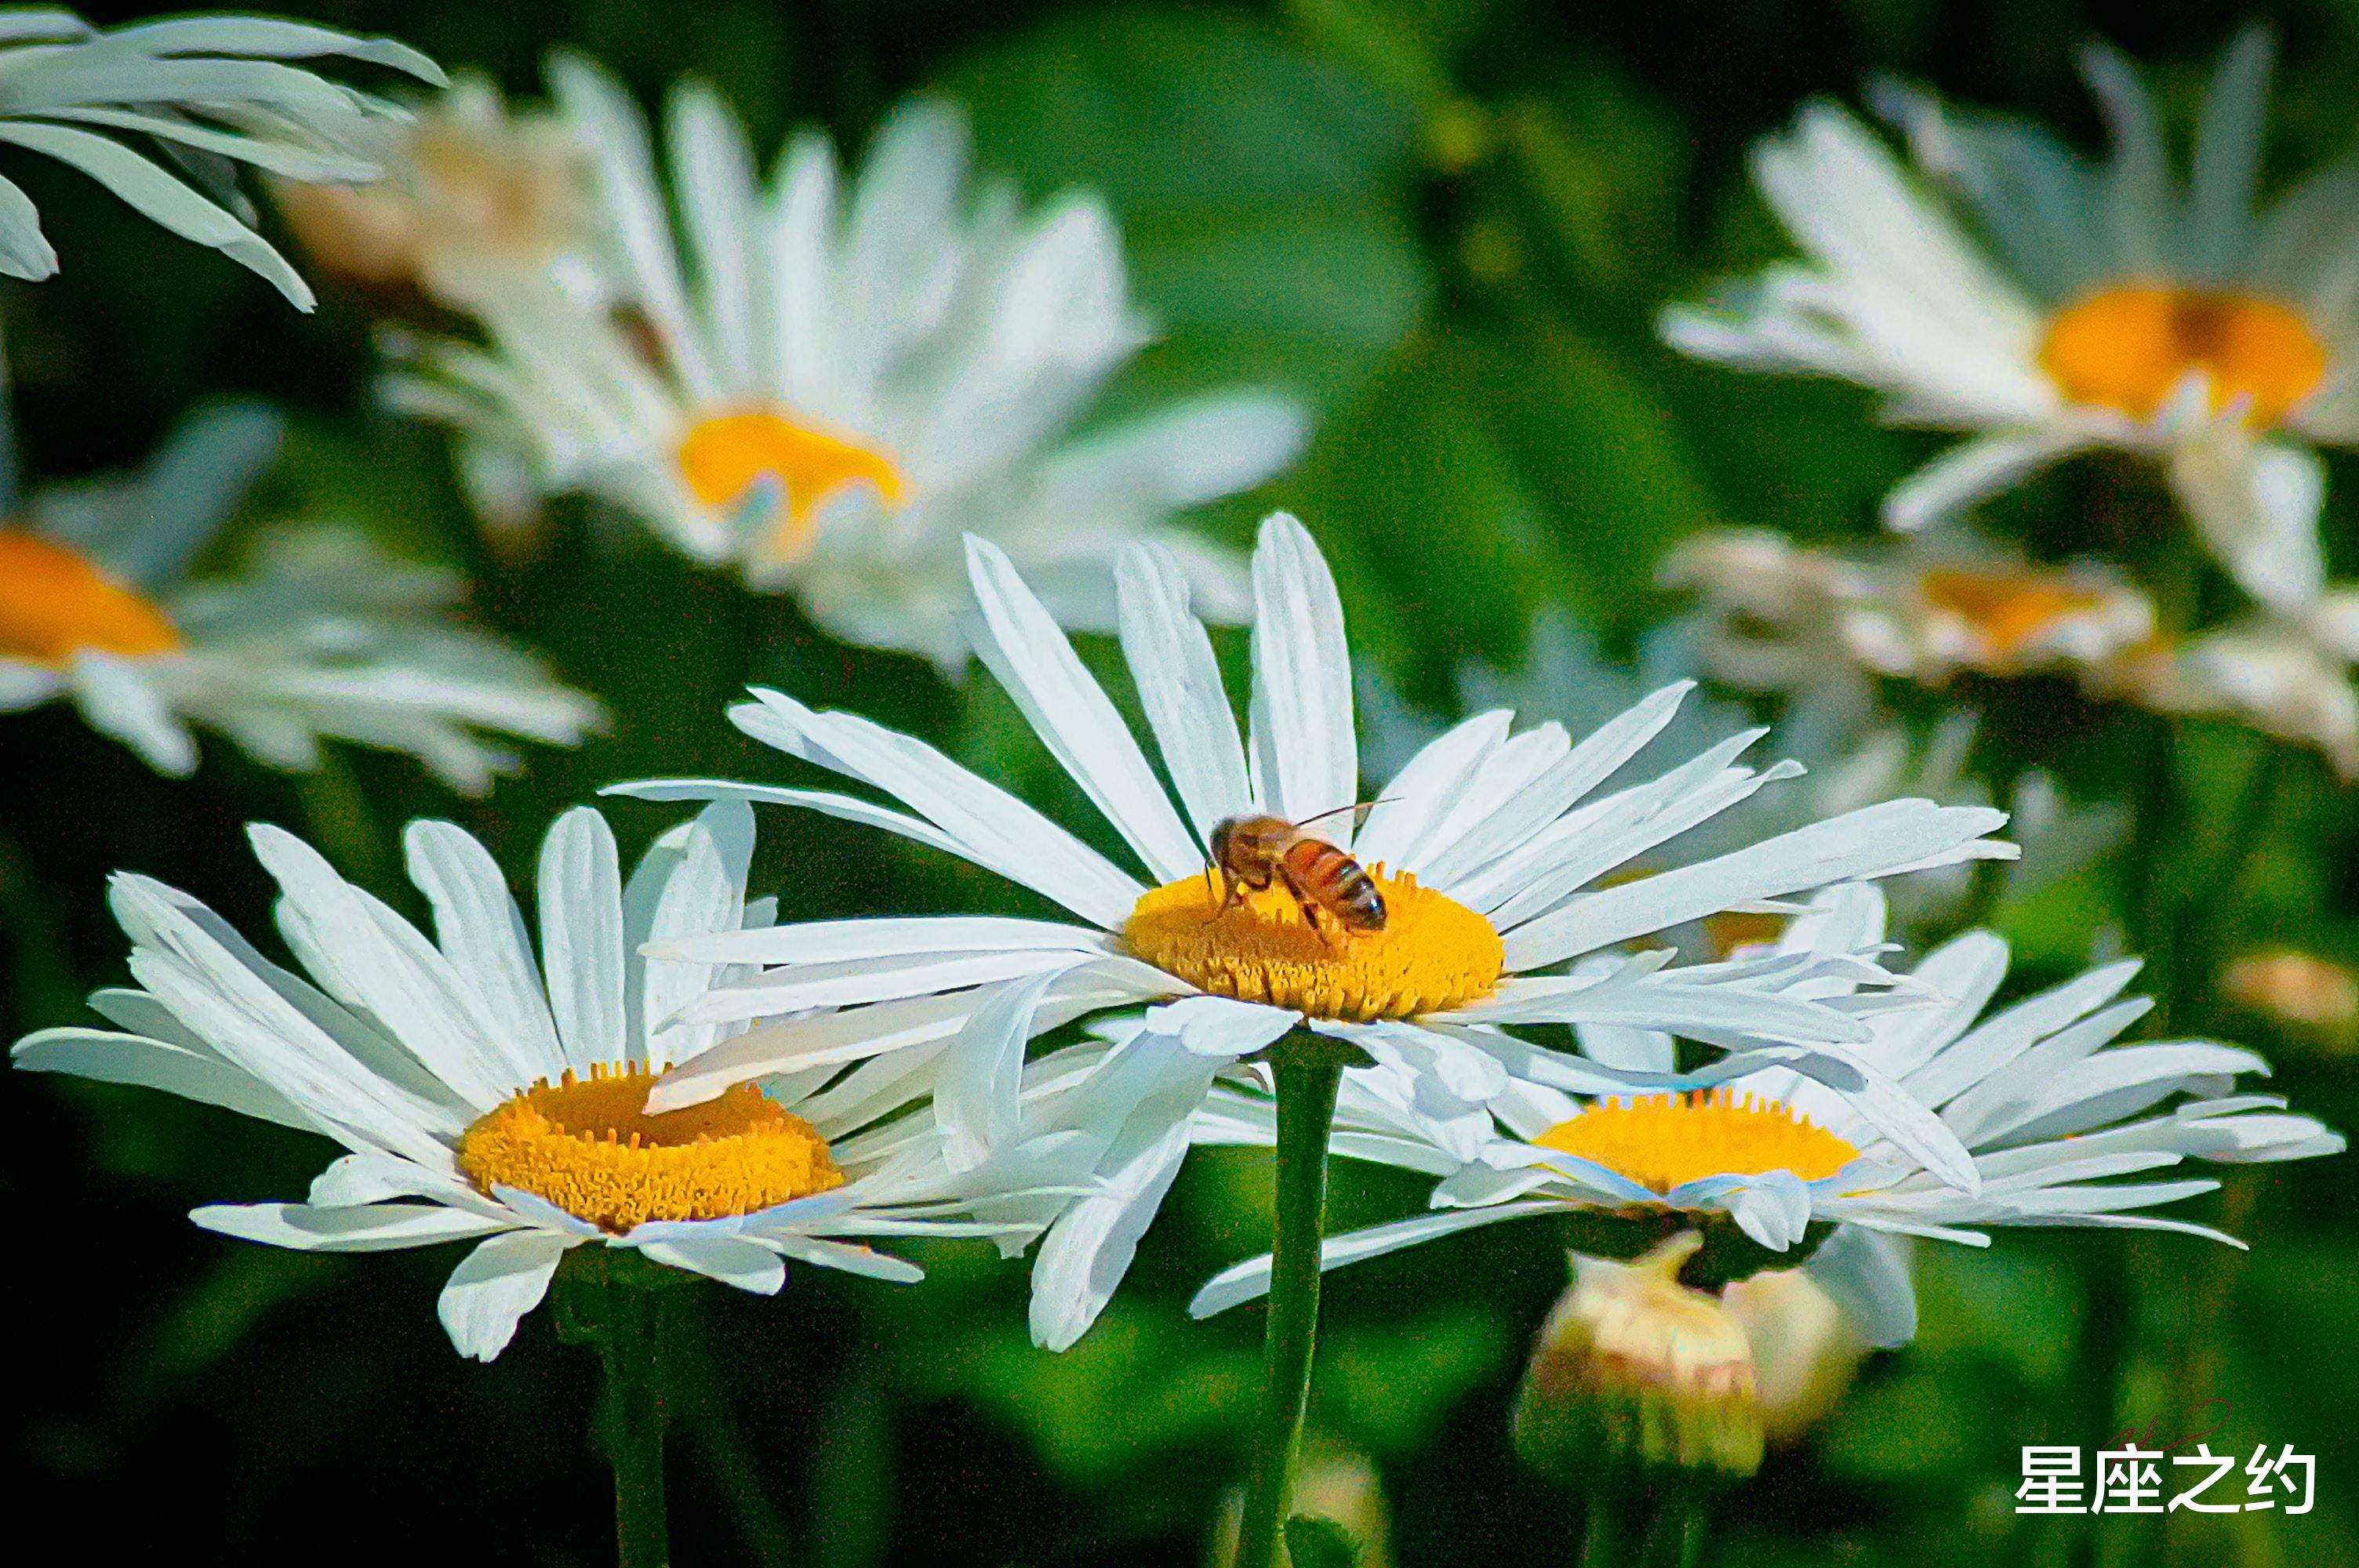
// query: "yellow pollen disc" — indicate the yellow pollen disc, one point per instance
point(2126, 347)
point(723, 456)
point(1661, 1140)
point(589, 1146)
point(1432, 953)
point(2008, 608)
point(54, 603)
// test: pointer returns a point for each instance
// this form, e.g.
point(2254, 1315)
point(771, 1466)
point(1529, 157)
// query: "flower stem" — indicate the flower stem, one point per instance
point(1306, 1078)
point(1602, 1544)
point(625, 1325)
point(1675, 1539)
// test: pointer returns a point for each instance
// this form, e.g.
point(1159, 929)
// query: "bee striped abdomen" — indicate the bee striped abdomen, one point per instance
point(1337, 883)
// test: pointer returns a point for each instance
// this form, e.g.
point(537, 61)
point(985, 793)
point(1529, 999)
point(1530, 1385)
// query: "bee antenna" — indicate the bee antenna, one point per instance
point(1339, 810)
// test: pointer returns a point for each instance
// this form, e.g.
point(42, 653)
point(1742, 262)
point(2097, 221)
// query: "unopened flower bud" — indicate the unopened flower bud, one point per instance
point(1805, 1352)
point(1637, 1370)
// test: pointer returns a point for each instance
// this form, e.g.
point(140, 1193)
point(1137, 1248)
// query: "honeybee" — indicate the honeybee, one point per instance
point(1255, 853)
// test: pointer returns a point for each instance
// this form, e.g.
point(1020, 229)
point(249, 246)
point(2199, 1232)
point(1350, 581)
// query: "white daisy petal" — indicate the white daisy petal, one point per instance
point(1972, 472)
point(392, 971)
point(731, 1259)
point(1409, 808)
point(703, 895)
point(116, 699)
point(975, 1095)
point(2257, 505)
point(1249, 1281)
point(1305, 754)
point(1072, 716)
point(836, 941)
point(1179, 680)
point(580, 899)
point(376, 1228)
point(112, 1058)
point(851, 1260)
point(1868, 1277)
point(992, 827)
point(1869, 842)
point(482, 933)
point(503, 1279)
point(1088, 1249)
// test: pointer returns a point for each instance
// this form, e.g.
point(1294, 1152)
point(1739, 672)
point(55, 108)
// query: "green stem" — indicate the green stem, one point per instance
point(1674, 1540)
point(1600, 1529)
point(630, 1420)
point(1306, 1078)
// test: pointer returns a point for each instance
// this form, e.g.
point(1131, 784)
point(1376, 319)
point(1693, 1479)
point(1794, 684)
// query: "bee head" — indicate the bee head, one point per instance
point(1222, 830)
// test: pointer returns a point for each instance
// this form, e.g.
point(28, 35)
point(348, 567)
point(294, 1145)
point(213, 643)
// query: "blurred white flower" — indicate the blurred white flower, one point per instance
point(828, 393)
point(2036, 1091)
point(1494, 855)
point(322, 636)
point(483, 1094)
point(2269, 672)
point(472, 195)
point(215, 92)
point(2110, 307)
point(1773, 613)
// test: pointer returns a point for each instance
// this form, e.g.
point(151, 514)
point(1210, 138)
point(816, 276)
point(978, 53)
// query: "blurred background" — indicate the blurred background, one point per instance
point(1447, 224)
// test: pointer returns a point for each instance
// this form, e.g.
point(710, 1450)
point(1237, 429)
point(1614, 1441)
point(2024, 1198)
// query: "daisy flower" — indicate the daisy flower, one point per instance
point(472, 194)
point(828, 392)
point(323, 635)
point(215, 92)
point(1773, 612)
point(1493, 855)
point(2052, 1110)
point(2010, 289)
point(482, 1096)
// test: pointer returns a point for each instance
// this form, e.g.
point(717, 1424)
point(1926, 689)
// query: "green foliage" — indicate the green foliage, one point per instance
point(1448, 226)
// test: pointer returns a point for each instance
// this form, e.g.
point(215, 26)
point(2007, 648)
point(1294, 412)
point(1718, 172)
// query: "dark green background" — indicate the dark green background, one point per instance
point(1448, 226)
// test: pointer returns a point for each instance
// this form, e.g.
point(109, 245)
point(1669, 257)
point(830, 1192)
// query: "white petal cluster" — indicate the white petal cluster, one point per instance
point(395, 1043)
point(2052, 1110)
point(1898, 293)
point(1527, 829)
point(322, 636)
point(208, 93)
point(942, 330)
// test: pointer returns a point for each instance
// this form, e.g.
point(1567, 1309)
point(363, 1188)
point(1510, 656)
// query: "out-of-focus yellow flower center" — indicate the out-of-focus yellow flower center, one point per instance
point(54, 604)
point(589, 1146)
point(2008, 609)
point(1661, 1140)
point(723, 456)
point(2296, 988)
point(1432, 953)
point(1733, 929)
point(2126, 347)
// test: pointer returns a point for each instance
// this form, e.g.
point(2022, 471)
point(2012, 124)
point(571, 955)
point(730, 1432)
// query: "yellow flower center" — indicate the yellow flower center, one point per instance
point(589, 1146)
point(1432, 953)
point(2008, 609)
point(1661, 1140)
point(725, 456)
point(54, 603)
point(2126, 347)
